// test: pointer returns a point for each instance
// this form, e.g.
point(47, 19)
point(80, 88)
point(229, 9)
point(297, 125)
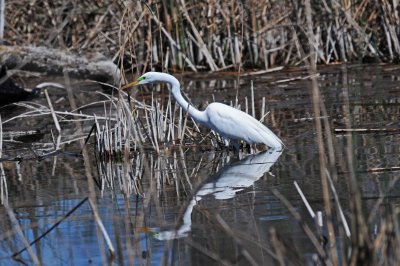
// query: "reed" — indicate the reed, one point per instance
point(126, 125)
point(349, 239)
point(210, 35)
point(142, 137)
point(3, 181)
point(128, 162)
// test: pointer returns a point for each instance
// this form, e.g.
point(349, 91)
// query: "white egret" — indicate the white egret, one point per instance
point(230, 123)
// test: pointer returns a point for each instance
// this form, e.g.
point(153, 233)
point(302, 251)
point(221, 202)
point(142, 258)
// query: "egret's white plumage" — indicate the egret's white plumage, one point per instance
point(230, 123)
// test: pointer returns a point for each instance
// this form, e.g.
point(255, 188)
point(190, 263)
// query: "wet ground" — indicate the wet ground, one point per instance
point(191, 206)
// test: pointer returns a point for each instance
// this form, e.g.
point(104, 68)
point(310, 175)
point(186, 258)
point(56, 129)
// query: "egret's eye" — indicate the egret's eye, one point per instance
point(141, 78)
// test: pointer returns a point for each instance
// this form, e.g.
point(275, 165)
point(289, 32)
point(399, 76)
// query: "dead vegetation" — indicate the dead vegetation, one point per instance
point(210, 35)
point(131, 136)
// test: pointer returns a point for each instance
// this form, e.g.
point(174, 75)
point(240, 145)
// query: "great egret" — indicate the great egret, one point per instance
point(230, 123)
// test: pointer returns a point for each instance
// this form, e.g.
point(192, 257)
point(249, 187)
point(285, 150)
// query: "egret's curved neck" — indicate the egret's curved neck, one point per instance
point(176, 92)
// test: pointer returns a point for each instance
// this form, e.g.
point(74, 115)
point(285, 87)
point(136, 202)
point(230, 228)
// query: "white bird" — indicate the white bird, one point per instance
point(230, 123)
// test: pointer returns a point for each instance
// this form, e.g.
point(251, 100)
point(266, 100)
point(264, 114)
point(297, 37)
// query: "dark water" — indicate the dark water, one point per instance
point(193, 207)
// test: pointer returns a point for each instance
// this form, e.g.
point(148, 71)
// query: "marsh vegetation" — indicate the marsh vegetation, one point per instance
point(90, 174)
point(211, 35)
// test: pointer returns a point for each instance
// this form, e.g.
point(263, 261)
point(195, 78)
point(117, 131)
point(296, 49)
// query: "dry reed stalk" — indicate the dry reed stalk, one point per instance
point(19, 231)
point(150, 131)
point(173, 43)
point(304, 199)
point(263, 114)
point(307, 230)
point(87, 161)
point(102, 228)
point(396, 233)
point(3, 185)
point(229, 231)
point(57, 223)
point(171, 127)
point(54, 116)
point(1, 137)
point(146, 170)
point(209, 253)
point(253, 110)
point(182, 135)
point(365, 130)
point(340, 210)
point(3, 180)
point(185, 168)
point(316, 100)
point(280, 249)
point(246, 105)
point(209, 35)
point(360, 234)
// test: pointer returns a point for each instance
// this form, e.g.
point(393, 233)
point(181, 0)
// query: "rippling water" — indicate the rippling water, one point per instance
point(193, 207)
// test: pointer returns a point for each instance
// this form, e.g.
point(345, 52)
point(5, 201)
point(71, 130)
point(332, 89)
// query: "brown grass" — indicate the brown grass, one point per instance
point(210, 35)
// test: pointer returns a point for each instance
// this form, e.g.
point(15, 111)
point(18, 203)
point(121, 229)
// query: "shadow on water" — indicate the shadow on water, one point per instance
point(194, 205)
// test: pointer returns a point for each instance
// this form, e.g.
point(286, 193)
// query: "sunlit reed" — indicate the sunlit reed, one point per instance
point(216, 36)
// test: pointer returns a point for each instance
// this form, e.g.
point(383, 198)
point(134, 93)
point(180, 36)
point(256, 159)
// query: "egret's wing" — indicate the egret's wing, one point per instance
point(225, 120)
point(234, 124)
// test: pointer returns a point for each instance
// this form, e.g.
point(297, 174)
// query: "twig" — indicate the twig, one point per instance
point(261, 72)
point(305, 227)
point(17, 227)
point(102, 228)
point(1, 136)
point(310, 210)
point(381, 169)
point(28, 247)
point(365, 130)
point(53, 114)
point(342, 217)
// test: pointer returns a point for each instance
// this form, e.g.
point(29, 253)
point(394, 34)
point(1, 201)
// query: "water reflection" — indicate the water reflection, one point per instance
point(146, 190)
point(231, 179)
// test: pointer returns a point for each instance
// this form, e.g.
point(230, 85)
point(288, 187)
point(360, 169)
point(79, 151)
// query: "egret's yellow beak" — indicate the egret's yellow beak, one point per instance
point(127, 86)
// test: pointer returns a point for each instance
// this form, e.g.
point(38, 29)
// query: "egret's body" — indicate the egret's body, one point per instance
point(230, 123)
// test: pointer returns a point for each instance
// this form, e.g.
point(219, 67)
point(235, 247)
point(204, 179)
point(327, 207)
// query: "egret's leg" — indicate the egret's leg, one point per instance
point(248, 148)
point(226, 141)
point(225, 145)
point(253, 149)
point(236, 145)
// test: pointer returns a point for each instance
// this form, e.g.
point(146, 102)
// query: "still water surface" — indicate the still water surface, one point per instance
point(202, 207)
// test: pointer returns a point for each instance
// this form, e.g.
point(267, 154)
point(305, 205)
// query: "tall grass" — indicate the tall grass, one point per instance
point(212, 35)
point(349, 239)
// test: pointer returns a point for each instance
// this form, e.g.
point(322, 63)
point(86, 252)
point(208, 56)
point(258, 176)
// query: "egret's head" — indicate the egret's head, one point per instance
point(148, 77)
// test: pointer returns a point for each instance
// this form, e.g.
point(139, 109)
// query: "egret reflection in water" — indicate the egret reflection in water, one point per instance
point(231, 179)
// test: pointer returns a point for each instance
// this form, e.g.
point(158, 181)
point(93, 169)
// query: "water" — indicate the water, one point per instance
point(194, 206)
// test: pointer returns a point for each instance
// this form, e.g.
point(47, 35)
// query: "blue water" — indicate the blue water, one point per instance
point(224, 211)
